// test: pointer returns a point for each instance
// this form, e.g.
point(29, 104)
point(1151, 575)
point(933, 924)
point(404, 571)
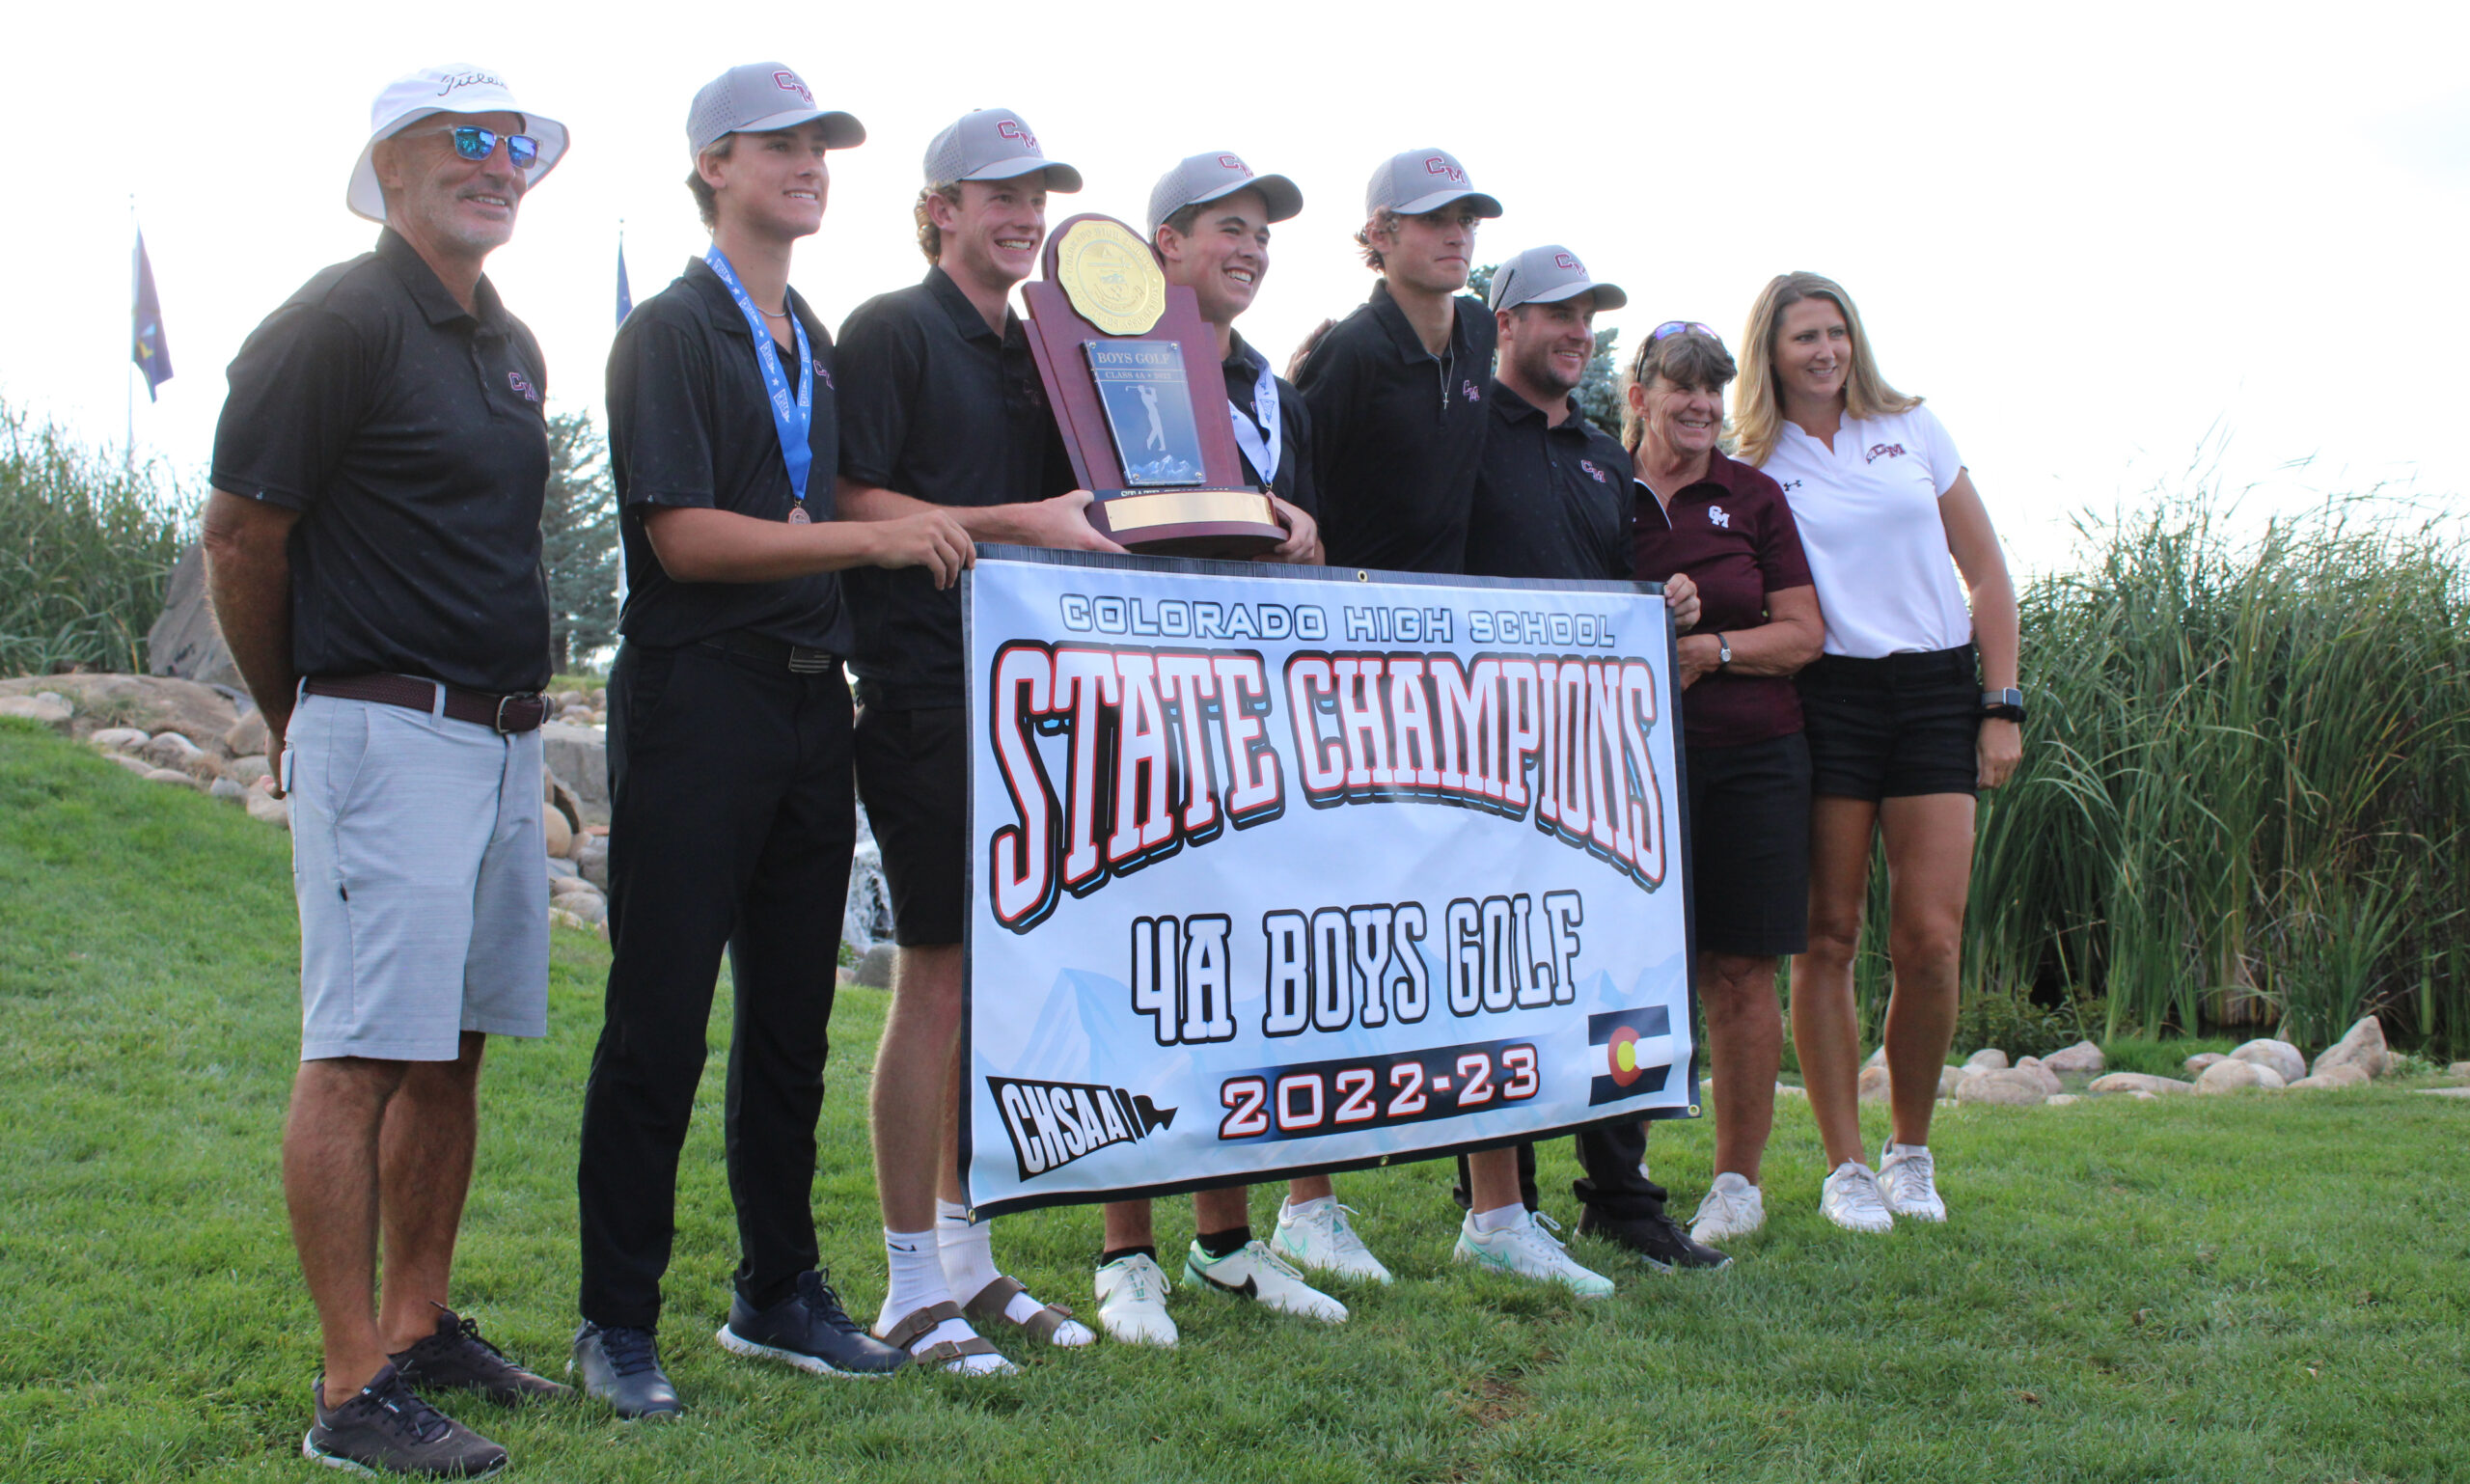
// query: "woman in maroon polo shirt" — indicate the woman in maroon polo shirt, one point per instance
point(1728, 528)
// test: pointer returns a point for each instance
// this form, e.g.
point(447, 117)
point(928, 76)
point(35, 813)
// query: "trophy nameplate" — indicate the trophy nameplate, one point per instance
point(1131, 372)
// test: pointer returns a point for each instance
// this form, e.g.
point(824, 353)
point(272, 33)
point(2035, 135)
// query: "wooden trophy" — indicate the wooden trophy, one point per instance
point(1131, 372)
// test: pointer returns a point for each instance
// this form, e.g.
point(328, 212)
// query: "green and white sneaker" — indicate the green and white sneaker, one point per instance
point(1317, 1235)
point(1527, 1250)
point(1253, 1271)
point(1132, 1302)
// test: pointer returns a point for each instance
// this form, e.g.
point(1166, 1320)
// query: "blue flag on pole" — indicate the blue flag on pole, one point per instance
point(626, 296)
point(148, 347)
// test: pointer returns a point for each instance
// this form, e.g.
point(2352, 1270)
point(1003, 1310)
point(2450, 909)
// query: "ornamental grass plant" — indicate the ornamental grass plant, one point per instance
point(2245, 793)
point(87, 546)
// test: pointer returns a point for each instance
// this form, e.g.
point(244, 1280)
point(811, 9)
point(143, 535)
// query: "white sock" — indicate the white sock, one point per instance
point(918, 1283)
point(1500, 1219)
point(968, 1251)
point(1896, 1148)
point(1291, 1207)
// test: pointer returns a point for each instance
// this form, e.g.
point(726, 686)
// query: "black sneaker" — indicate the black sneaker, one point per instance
point(621, 1367)
point(386, 1429)
point(455, 1356)
point(1658, 1240)
point(809, 1330)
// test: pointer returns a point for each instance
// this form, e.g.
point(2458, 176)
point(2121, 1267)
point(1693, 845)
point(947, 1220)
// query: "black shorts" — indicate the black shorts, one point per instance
point(912, 775)
point(1893, 728)
point(1749, 846)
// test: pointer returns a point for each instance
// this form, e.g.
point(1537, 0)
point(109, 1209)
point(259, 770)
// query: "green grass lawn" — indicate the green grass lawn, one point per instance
point(2244, 1288)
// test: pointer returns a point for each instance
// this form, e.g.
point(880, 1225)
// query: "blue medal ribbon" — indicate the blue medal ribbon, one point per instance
point(792, 417)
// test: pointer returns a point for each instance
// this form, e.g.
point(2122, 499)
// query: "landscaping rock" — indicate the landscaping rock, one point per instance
point(558, 833)
point(2137, 1081)
point(2038, 1070)
point(50, 710)
point(561, 869)
point(2138, 1092)
point(169, 750)
point(2062, 1099)
point(590, 856)
point(104, 702)
point(560, 917)
point(204, 767)
point(132, 762)
point(2361, 1046)
point(2458, 1069)
point(184, 640)
point(2002, 1085)
point(227, 790)
point(267, 808)
point(1990, 1058)
point(2444, 1091)
point(586, 906)
point(2232, 1075)
point(1872, 1085)
point(2280, 1056)
point(1787, 1089)
point(1878, 1057)
point(2196, 1064)
point(119, 739)
point(2083, 1058)
point(248, 734)
point(1948, 1078)
point(172, 776)
point(2331, 1082)
point(579, 755)
point(874, 970)
point(2341, 1076)
point(247, 770)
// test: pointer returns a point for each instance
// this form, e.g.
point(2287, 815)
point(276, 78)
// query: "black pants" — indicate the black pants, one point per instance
point(731, 826)
point(1612, 1187)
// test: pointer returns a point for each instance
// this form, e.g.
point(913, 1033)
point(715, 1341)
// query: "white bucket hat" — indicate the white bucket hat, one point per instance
point(436, 90)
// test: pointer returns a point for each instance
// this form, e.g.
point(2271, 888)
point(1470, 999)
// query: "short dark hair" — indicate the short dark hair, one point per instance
point(706, 205)
point(1684, 359)
point(930, 238)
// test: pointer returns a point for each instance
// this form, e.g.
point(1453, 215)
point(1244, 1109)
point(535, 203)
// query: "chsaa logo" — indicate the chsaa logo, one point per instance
point(1053, 1123)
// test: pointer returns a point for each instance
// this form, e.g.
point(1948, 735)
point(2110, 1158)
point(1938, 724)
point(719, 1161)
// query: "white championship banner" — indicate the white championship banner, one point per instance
point(1280, 869)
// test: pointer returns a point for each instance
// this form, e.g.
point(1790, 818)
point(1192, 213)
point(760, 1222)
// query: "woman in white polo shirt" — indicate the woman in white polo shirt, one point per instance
point(1901, 730)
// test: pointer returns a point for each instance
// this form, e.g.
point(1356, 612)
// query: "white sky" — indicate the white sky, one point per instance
point(2101, 240)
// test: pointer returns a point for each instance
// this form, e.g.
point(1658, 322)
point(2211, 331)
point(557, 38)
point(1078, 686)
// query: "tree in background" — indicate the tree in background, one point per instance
point(1599, 391)
point(579, 541)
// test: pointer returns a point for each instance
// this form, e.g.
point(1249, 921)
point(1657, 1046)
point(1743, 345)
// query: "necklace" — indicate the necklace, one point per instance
point(784, 314)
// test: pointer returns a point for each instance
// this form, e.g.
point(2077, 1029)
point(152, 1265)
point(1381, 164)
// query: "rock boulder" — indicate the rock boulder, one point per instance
point(2280, 1056)
point(2083, 1058)
point(1872, 1085)
point(2232, 1075)
point(2003, 1086)
point(48, 710)
point(2361, 1046)
point(2196, 1064)
point(2137, 1081)
point(2038, 1070)
point(1990, 1058)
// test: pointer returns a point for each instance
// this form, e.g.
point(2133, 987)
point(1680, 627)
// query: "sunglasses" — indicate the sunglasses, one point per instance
point(1683, 327)
point(474, 143)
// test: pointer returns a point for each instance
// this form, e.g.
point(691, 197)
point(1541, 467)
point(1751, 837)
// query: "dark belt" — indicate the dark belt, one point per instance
point(778, 653)
point(499, 713)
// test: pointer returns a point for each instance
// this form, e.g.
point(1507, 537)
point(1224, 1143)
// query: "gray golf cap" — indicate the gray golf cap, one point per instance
point(1207, 177)
point(1547, 275)
point(757, 98)
point(993, 144)
point(1421, 181)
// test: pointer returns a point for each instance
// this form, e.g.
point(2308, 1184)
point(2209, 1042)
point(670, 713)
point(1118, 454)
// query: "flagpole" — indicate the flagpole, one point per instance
point(128, 389)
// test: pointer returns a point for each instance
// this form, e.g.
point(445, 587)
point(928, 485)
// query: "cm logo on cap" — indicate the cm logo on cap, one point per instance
point(1441, 165)
point(1013, 129)
point(791, 82)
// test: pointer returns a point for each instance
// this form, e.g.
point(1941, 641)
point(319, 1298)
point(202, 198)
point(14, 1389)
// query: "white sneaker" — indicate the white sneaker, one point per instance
point(1851, 1200)
point(1317, 1235)
point(1253, 1271)
point(1731, 1208)
point(1132, 1301)
point(1529, 1250)
point(1908, 1179)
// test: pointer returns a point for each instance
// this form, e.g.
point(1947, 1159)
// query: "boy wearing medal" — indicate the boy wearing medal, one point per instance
point(729, 752)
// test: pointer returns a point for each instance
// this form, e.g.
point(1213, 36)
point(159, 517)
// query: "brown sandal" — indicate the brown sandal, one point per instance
point(943, 1353)
point(987, 1310)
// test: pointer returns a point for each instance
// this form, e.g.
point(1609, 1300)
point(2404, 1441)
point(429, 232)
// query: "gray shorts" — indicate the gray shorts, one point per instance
point(418, 862)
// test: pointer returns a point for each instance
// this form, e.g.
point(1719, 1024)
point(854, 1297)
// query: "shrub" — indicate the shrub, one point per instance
point(89, 547)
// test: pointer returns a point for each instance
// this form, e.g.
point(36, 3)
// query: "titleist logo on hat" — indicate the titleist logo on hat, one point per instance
point(453, 80)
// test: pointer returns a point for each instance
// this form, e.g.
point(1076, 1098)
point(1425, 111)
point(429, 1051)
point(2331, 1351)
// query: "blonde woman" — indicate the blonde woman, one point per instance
point(1901, 728)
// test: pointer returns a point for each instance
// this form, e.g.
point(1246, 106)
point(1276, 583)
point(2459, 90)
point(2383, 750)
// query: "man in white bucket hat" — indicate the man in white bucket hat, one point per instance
point(373, 547)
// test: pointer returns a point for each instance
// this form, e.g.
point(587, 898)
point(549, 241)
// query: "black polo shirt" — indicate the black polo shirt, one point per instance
point(1731, 530)
point(1293, 480)
point(690, 424)
point(1398, 434)
point(937, 406)
point(1550, 502)
point(409, 434)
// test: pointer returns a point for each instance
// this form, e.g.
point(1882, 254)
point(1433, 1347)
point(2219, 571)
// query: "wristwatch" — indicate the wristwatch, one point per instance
point(2007, 706)
point(1723, 651)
